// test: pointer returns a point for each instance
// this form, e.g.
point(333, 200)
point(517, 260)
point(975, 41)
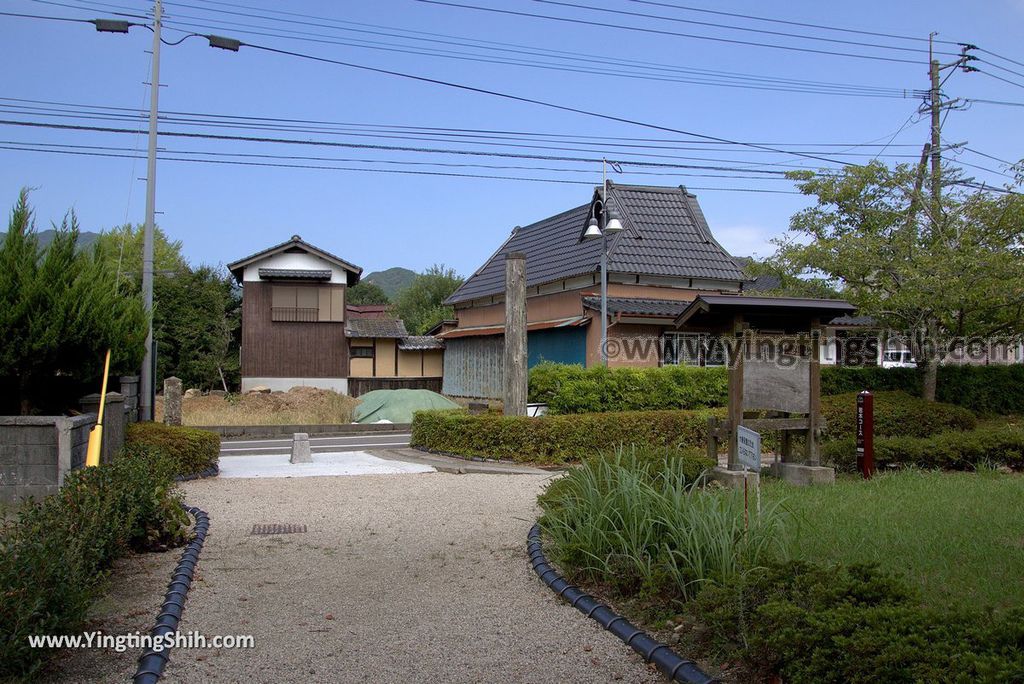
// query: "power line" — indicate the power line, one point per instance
point(995, 102)
point(789, 23)
point(994, 54)
point(389, 148)
point(366, 170)
point(583, 63)
point(527, 100)
point(661, 17)
point(622, 27)
point(989, 156)
point(1000, 78)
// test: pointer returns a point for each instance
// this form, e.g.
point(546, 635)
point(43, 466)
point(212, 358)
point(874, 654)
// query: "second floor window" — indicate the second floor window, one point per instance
point(307, 304)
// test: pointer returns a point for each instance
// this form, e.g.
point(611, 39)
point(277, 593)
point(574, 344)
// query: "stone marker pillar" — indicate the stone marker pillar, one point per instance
point(172, 401)
point(300, 448)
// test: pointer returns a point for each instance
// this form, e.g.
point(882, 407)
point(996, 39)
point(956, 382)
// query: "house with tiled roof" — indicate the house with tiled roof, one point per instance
point(297, 329)
point(665, 256)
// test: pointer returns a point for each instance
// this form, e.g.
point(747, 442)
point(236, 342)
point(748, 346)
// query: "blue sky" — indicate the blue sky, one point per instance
point(377, 220)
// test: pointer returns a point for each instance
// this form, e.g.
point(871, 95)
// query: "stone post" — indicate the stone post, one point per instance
point(300, 448)
point(515, 334)
point(130, 392)
point(172, 401)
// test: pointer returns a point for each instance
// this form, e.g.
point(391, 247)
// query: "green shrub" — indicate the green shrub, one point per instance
point(53, 557)
point(815, 623)
point(985, 389)
point(555, 439)
point(642, 525)
point(844, 379)
point(948, 450)
point(573, 389)
point(896, 413)
point(190, 449)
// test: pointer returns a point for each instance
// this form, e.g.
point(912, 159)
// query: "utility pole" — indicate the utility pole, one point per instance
point(936, 151)
point(148, 371)
point(515, 334)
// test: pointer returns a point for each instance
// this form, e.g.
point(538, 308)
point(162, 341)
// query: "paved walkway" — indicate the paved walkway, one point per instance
point(400, 578)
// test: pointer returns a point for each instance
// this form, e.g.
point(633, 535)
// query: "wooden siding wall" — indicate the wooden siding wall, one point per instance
point(274, 349)
point(359, 386)
point(473, 367)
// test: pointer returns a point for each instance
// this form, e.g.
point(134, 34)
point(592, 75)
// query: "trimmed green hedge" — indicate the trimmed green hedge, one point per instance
point(190, 449)
point(555, 439)
point(574, 389)
point(53, 557)
point(896, 414)
point(947, 450)
point(822, 624)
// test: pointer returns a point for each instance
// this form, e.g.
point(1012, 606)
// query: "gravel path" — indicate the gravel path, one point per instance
point(400, 578)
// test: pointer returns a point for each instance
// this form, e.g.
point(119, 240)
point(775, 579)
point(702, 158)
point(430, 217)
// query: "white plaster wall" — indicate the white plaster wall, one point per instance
point(294, 260)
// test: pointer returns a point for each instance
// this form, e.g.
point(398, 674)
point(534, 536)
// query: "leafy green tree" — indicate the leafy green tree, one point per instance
point(367, 293)
point(937, 269)
point(421, 305)
point(196, 311)
point(60, 310)
point(196, 324)
point(121, 250)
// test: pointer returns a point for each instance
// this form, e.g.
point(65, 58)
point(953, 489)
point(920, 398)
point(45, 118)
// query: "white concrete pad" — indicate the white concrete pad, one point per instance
point(323, 465)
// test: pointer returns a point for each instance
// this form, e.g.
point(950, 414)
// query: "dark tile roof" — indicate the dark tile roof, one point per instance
point(864, 321)
point(295, 274)
point(553, 251)
point(375, 327)
point(236, 267)
point(417, 342)
point(665, 235)
point(762, 283)
point(637, 307)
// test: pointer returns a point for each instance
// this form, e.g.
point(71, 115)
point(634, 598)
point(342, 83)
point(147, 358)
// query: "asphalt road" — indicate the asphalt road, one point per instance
point(283, 445)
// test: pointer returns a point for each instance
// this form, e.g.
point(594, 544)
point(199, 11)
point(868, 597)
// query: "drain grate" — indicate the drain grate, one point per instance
point(278, 528)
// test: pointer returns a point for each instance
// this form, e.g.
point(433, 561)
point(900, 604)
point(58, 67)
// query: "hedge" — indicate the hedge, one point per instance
point(574, 389)
point(191, 450)
point(820, 624)
point(948, 450)
point(896, 414)
point(555, 439)
point(53, 557)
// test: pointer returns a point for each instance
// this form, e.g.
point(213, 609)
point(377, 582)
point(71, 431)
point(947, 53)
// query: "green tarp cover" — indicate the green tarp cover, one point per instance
point(398, 405)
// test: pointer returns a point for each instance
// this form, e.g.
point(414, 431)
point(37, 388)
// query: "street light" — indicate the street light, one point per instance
point(610, 223)
point(146, 380)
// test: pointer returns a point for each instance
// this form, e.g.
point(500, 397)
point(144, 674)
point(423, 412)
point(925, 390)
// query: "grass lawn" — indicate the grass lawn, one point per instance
point(959, 537)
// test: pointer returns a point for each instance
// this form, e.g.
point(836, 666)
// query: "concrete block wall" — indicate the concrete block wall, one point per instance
point(115, 416)
point(36, 452)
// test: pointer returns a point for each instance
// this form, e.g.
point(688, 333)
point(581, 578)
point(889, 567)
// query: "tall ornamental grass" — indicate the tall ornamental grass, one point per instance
point(618, 521)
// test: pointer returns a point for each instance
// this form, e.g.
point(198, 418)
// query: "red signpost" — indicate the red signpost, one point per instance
point(866, 434)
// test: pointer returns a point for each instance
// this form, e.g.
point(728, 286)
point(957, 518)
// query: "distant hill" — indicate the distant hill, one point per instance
point(392, 280)
point(85, 238)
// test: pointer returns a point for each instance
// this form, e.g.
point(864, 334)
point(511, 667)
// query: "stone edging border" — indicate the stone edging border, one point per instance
point(676, 668)
point(212, 471)
point(152, 663)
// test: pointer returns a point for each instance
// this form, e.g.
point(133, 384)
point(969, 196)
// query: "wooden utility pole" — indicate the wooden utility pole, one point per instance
point(515, 334)
point(936, 151)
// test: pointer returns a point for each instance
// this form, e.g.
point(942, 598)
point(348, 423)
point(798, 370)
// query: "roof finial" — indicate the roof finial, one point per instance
point(296, 238)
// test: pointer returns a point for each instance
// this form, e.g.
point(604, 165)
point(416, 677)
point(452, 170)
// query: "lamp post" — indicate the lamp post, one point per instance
point(146, 380)
point(609, 223)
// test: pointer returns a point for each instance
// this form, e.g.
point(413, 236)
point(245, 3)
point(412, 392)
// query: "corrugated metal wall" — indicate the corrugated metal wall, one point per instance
point(474, 367)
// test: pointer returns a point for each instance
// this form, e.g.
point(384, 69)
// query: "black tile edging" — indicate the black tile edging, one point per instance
point(673, 666)
point(152, 663)
point(212, 471)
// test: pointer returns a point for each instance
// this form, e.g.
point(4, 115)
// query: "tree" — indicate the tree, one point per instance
point(936, 269)
point(121, 250)
point(367, 293)
point(60, 310)
point(196, 311)
point(196, 324)
point(421, 305)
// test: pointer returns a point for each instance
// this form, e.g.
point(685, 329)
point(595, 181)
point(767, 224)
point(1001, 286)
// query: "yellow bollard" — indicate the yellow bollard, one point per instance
point(92, 454)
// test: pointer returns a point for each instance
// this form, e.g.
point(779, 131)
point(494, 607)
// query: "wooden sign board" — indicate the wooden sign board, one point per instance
point(779, 384)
